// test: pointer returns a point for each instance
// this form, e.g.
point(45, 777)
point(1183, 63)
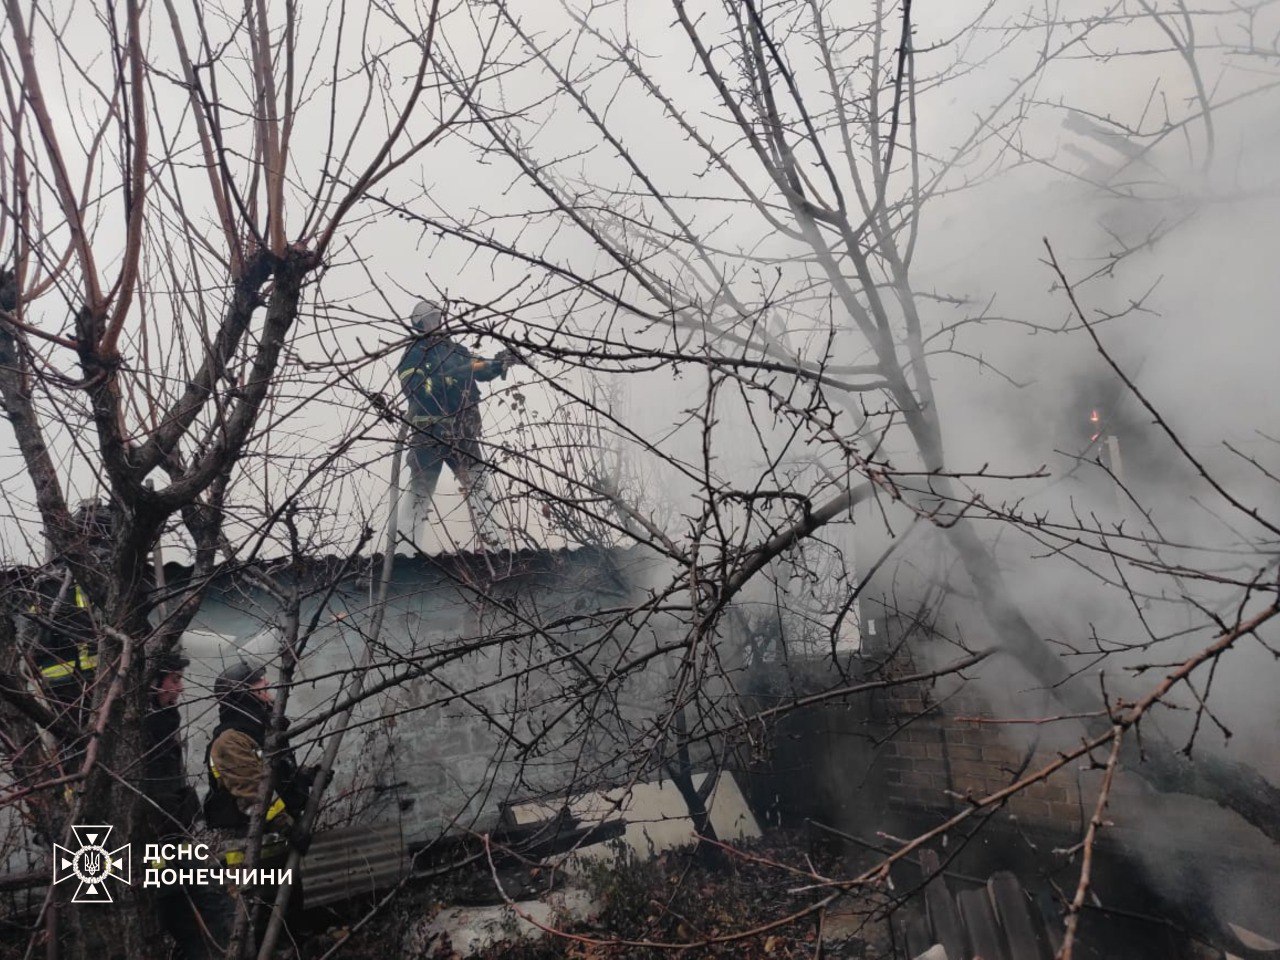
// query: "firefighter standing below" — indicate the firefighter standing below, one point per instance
point(235, 764)
point(439, 378)
point(60, 644)
point(198, 917)
point(65, 642)
point(65, 647)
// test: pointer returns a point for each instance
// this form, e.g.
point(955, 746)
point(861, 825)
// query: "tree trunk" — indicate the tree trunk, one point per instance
point(113, 790)
point(129, 927)
point(681, 773)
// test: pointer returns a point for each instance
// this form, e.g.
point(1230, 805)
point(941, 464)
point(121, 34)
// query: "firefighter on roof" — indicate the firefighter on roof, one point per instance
point(440, 380)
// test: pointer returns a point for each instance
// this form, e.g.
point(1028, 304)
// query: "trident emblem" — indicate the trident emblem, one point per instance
point(92, 864)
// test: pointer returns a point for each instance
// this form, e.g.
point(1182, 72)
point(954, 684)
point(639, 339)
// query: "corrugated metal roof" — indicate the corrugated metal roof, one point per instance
point(352, 862)
point(504, 563)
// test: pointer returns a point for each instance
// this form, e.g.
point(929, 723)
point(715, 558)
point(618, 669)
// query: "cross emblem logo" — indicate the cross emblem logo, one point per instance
point(92, 864)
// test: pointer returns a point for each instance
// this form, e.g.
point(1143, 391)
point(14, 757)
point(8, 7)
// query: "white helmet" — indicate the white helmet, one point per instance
point(427, 316)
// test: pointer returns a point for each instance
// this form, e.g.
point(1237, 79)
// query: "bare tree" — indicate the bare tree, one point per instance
point(764, 258)
point(175, 184)
point(752, 284)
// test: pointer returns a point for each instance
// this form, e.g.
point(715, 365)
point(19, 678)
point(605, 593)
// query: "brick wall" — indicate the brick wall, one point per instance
point(908, 750)
point(904, 758)
point(932, 756)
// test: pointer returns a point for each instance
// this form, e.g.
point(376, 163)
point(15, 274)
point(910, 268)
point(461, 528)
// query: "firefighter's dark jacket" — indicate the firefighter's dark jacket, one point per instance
point(439, 376)
point(66, 649)
point(165, 772)
point(235, 767)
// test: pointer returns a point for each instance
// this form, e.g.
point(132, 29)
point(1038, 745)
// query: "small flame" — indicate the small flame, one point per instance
point(1093, 416)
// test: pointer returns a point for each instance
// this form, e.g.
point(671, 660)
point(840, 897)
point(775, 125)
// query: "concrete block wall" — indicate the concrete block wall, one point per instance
point(408, 756)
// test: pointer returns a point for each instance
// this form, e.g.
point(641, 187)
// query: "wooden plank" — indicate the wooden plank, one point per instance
point(917, 935)
point(944, 919)
point(909, 931)
point(980, 921)
point(1013, 911)
point(1051, 916)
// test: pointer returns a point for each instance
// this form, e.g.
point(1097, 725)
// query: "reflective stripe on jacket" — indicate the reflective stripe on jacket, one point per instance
point(438, 377)
point(66, 652)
